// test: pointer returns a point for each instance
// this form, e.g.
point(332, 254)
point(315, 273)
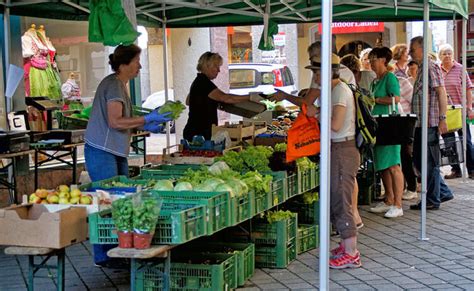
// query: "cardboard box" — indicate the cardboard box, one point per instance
point(269, 141)
point(32, 225)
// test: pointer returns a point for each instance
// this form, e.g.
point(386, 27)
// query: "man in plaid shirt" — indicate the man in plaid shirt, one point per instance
point(437, 190)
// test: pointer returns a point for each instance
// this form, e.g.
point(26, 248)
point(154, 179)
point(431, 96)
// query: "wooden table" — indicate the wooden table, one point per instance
point(10, 181)
point(155, 251)
point(31, 252)
point(66, 151)
point(138, 143)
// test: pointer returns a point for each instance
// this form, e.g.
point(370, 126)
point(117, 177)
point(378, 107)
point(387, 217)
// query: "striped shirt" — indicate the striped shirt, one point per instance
point(453, 82)
point(435, 80)
point(406, 94)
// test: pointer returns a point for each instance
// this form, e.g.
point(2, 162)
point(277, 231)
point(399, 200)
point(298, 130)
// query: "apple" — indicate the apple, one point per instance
point(53, 198)
point(44, 201)
point(86, 200)
point(76, 193)
point(64, 195)
point(74, 200)
point(63, 188)
point(34, 199)
point(63, 200)
point(41, 193)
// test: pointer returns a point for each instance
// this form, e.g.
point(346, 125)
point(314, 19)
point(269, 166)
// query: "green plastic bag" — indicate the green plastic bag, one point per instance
point(109, 24)
point(272, 30)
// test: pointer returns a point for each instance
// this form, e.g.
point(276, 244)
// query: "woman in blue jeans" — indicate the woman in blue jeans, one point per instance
point(111, 123)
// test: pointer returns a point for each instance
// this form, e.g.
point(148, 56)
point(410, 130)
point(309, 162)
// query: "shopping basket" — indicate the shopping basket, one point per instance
point(451, 150)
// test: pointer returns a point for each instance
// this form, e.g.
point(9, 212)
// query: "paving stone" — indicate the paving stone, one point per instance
point(272, 286)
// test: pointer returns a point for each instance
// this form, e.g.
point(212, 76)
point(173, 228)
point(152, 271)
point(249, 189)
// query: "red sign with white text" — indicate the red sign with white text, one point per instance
point(354, 27)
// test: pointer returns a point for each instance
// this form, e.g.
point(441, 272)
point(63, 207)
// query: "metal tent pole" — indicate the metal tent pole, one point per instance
point(165, 75)
point(7, 53)
point(424, 121)
point(464, 100)
point(325, 166)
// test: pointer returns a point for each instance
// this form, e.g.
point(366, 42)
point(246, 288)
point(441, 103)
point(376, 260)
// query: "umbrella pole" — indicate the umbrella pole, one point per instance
point(165, 70)
point(325, 156)
point(464, 100)
point(424, 121)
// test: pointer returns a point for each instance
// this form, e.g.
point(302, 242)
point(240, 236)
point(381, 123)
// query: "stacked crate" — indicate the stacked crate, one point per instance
point(275, 243)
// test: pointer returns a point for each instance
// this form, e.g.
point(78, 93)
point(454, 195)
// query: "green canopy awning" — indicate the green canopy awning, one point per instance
point(209, 13)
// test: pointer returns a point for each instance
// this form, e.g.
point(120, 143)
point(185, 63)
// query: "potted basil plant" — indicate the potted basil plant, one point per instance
point(145, 217)
point(122, 212)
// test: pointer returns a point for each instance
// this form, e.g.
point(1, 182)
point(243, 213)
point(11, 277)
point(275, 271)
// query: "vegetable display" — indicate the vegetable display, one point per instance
point(280, 147)
point(175, 107)
point(304, 164)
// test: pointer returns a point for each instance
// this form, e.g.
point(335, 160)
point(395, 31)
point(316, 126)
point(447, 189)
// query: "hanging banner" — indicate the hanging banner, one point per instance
point(354, 27)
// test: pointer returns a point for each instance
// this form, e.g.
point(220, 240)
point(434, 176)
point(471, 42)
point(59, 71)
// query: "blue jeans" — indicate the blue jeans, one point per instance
point(437, 188)
point(103, 165)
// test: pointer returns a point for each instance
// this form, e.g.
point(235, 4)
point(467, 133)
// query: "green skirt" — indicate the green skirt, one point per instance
point(386, 156)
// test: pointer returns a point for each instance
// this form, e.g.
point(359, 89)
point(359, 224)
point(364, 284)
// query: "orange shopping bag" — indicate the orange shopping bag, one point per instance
point(303, 137)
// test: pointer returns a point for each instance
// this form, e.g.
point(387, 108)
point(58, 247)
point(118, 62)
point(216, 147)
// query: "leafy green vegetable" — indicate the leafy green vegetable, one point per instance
point(253, 158)
point(175, 107)
point(122, 212)
point(304, 164)
point(183, 186)
point(273, 216)
point(163, 185)
point(310, 197)
point(280, 147)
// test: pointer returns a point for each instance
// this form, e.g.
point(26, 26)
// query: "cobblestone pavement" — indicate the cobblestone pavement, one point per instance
point(393, 257)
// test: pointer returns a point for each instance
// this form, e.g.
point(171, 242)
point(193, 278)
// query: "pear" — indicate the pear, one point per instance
point(41, 193)
point(63, 188)
point(74, 200)
point(86, 200)
point(53, 199)
point(76, 193)
point(63, 200)
point(64, 195)
point(34, 199)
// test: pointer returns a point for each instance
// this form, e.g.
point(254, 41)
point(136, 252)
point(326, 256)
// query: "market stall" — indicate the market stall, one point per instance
point(191, 14)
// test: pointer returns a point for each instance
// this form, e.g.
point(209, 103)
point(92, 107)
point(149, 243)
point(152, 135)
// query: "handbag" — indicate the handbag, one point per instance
point(395, 128)
point(303, 137)
point(454, 117)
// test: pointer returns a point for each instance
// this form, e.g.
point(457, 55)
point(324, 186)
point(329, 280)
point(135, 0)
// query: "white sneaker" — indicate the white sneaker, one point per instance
point(380, 208)
point(394, 212)
point(409, 195)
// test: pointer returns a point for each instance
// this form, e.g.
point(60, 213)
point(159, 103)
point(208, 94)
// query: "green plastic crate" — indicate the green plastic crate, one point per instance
point(178, 223)
point(260, 204)
point(276, 233)
point(167, 171)
point(103, 184)
point(292, 185)
point(65, 121)
point(278, 189)
point(245, 255)
point(307, 238)
point(307, 213)
point(241, 208)
point(217, 203)
point(186, 276)
point(307, 180)
point(277, 257)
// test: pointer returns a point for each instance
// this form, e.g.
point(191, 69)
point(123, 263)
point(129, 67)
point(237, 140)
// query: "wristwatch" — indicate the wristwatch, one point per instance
point(442, 117)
